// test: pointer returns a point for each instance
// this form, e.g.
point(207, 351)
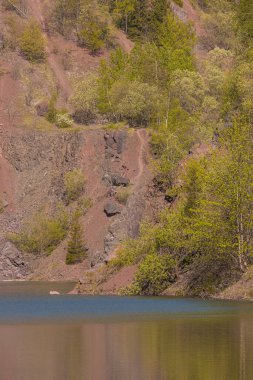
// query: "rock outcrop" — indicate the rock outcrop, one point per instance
point(38, 161)
point(111, 209)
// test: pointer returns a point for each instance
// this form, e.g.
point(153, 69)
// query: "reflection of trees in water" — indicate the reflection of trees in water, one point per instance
point(184, 348)
point(245, 344)
point(242, 350)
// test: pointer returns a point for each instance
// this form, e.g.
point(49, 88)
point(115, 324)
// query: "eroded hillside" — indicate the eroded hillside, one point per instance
point(125, 144)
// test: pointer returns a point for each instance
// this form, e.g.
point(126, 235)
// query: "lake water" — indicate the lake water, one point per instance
point(70, 337)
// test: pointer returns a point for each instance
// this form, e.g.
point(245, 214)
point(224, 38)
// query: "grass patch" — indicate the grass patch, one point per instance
point(115, 126)
point(122, 195)
point(74, 183)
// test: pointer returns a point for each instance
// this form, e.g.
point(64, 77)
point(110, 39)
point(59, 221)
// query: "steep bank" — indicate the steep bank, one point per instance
point(35, 163)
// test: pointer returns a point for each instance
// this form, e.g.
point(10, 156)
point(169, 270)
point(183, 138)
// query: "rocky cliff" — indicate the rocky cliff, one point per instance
point(32, 168)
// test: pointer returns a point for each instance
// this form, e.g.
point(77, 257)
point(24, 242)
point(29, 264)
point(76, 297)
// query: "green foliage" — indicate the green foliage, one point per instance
point(43, 234)
point(134, 101)
point(32, 43)
point(74, 183)
point(85, 99)
point(189, 89)
point(94, 30)
point(238, 93)
point(135, 87)
point(52, 111)
point(63, 120)
point(170, 143)
point(77, 251)
point(140, 18)
point(60, 118)
point(133, 251)
point(245, 19)
point(176, 40)
point(207, 228)
point(154, 274)
point(123, 10)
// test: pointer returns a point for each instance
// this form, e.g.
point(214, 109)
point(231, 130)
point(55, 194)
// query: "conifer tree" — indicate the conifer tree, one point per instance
point(76, 247)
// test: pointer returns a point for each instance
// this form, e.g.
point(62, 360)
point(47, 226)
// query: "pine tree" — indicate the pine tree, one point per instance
point(76, 248)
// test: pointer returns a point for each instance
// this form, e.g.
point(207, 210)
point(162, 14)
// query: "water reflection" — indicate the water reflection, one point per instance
point(183, 348)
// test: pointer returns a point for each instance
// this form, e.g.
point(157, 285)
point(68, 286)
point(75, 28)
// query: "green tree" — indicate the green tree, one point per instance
point(93, 26)
point(85, 99)
point(137, 102)
point(189, 88)
point(222, 226)
point(32, 42)
point(124, 8)
point(77, 251)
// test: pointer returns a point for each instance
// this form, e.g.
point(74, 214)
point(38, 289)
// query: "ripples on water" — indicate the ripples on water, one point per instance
point(111, 338)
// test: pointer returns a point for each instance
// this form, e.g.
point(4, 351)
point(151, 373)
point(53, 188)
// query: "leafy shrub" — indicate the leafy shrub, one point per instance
point(74, 182)
point(42, 234)
point(32, 42)
point(63, 120)
point(85, 99)
point(189, 88)
point(134, 101)
point(133, 251)
point(154, 275)
point(245, 20)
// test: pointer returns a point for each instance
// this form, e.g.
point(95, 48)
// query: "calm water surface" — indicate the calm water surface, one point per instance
point(66, 337)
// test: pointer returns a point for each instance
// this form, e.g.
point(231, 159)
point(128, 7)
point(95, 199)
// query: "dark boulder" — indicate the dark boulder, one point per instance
point(111, 209)
point(117, 180)
point(119, 138)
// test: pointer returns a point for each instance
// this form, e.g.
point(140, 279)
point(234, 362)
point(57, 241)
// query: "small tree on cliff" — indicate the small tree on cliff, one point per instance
point(77, 251)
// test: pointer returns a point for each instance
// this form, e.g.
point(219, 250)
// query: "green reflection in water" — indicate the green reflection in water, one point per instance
point(180, 348)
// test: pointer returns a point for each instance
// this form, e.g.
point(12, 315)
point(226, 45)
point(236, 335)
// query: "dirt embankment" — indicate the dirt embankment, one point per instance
point(241, 290)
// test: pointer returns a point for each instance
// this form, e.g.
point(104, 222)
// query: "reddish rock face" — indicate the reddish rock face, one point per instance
point(32, 167)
